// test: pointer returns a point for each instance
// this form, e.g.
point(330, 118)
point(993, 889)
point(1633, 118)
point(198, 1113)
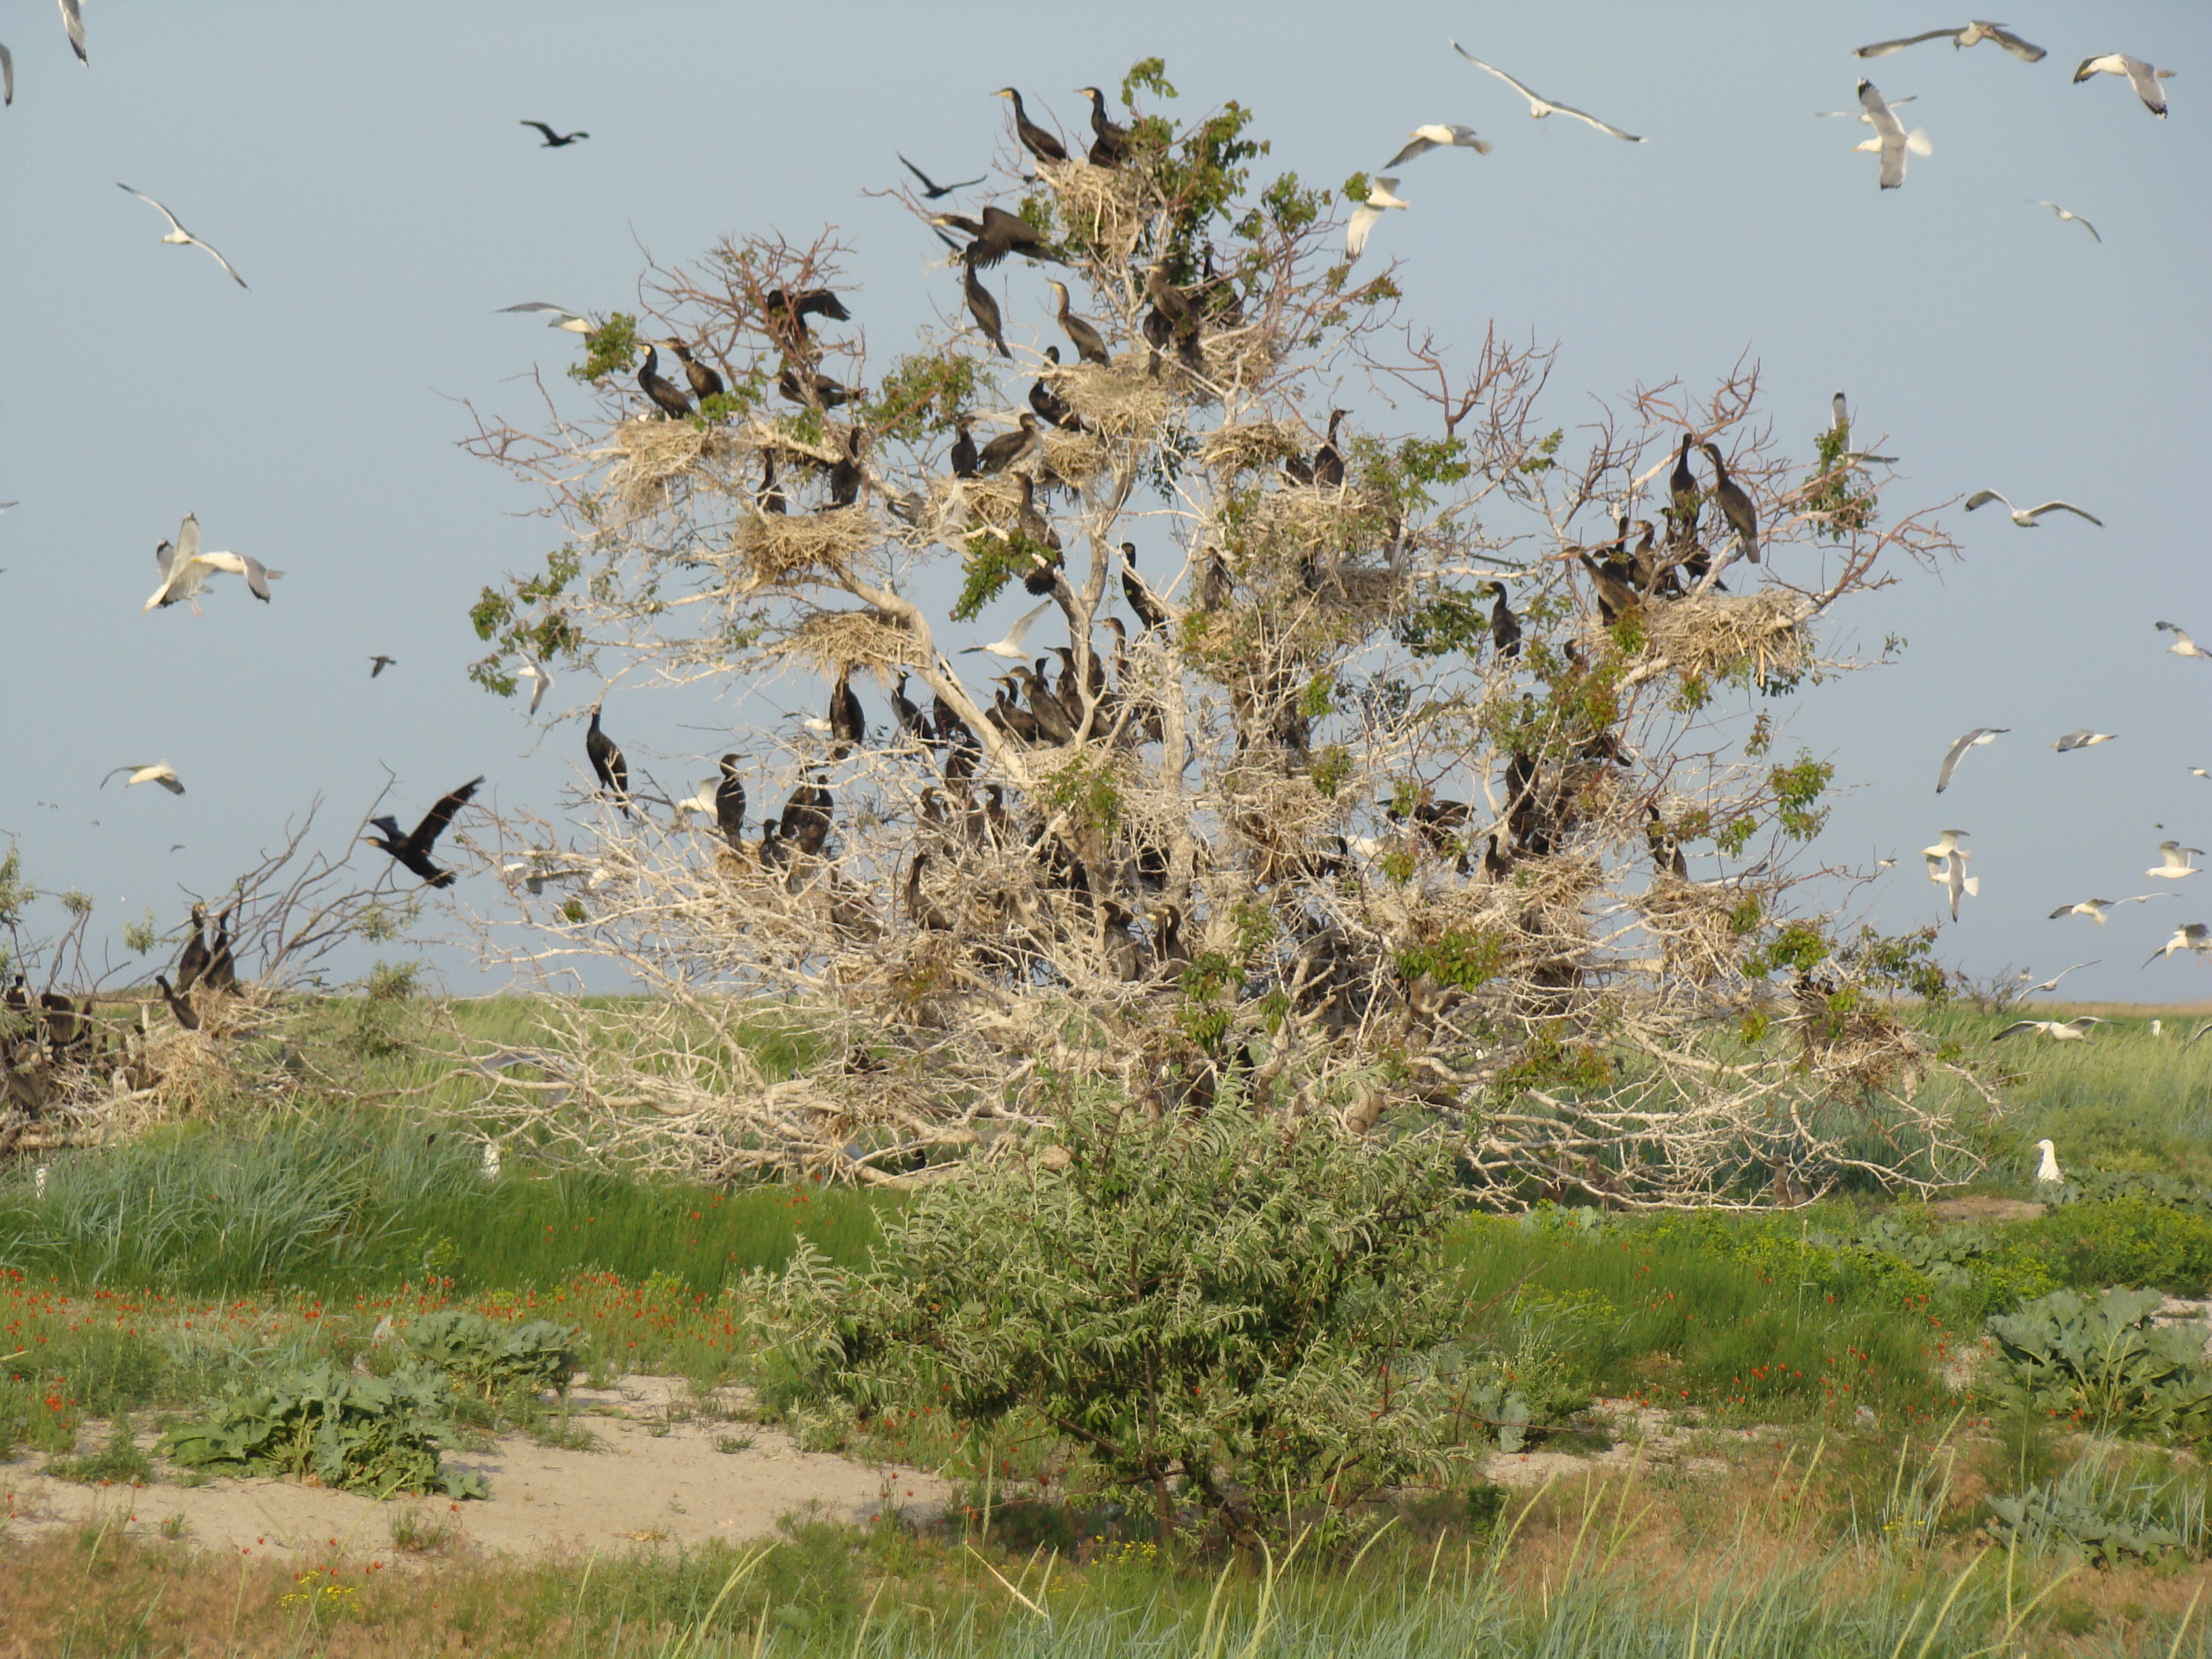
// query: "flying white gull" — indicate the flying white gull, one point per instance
point(2025, 518)
point(700, 805)
point(73, 22)
point(2174, 865)
point(2051, 984)
point(2183, 646)
point(1540, 106)
point(2141, 76)
point(2065, 1030)
point(1438, 135)
point(2094, 909)
point(559, 316)
point(1010, 647)
point(179, 235)
point(1945, 844)
point(160, 772)
point(2065, 213)
point(1860, 114)
point(1890, 141)
point(1364, 216)
point(1973, 34)
point(541, 681)
point(1980, 736)
point(2189, 936)
point(7, 76)
point(2083, 738)
point(184, 569)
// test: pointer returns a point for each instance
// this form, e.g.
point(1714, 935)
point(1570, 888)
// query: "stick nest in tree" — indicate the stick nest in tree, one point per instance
point(1118, 400)
point(780, 548)
point(831, 639)
point(1251, 445)
point(1694, 923)
point(655, 454)
point(1717, 634)
point(1074, 458)
point(1101, 206)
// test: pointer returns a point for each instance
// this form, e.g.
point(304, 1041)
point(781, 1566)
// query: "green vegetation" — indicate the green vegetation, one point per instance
point(379, 1434)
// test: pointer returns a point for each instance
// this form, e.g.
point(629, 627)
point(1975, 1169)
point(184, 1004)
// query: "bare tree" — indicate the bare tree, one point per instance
point(1382, 798)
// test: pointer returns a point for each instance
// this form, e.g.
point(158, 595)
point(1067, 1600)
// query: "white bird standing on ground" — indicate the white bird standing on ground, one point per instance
point(2047, 1173)
point(1539, 106)
point(2065, 1031)
point(1973, 34)
point(2141, 76)
point(2174, 864)
point(159, 772)
point(561, 316)
point(2025, 519)
point(1381, 195)
point(1890, 141)
point(2067, 212)
point(179, 235)
point(2183, 646)
point(1979, 736)
point(540, 681)
point(73, 24)
point(2094, 909)
point(185, 570)
point(1439, 135)
point(1010, 647)
point(2082, 739)
point(2189, 936)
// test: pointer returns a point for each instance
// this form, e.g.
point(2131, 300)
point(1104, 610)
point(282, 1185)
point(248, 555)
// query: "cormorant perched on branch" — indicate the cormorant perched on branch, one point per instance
point(1003, 450)
point(730, 803)
point(769, 498)
point(1177, 313)
point(1049, 405)
point(1682, 489)
point(705, 381)
point(657, 386)
point(1089, 345)
point(607, 762)
point(1147, 609)
point(178, 1006)
point(847, 724)
point(818, 390)
point(807, 818)
point(1034, 139)
point(847, 475)
point(963, 449)
point(222, 971)
point(413, 850)
point(1735, 506)
point(1666, 852)
point(980, 306)
point(1504, 626)
point(931, 189)
point(1329, 460)
point(1034, 525)
point(1109, 143)
point(906, 713)
point(999, 234)
point(192, 962)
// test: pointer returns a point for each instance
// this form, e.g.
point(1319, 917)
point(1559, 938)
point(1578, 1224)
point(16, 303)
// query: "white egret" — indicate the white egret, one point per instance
point(1010, 647)
point(561, 317)
point(2065, 1031)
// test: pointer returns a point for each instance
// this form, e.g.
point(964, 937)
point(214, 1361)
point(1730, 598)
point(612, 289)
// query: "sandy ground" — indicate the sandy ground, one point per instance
point(656, 1478)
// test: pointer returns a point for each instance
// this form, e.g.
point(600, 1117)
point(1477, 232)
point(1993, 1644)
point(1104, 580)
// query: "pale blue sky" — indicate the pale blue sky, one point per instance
point(361, 167)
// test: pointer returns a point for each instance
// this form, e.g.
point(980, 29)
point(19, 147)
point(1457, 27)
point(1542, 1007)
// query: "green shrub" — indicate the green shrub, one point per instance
point(1242, 1315)
point(490, 1358)
point(2131, 1240)
point(361, 1433)
point(2045, 1517)
point(2104, 1362)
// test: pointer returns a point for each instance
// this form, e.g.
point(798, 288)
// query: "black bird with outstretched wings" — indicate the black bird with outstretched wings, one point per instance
point(553, 140)
point(413, 850)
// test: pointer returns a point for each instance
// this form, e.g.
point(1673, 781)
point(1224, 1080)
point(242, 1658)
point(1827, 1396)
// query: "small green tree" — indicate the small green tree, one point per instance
point(1241, 1321)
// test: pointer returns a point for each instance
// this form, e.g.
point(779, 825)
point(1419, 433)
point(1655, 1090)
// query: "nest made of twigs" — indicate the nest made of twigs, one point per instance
point(1694, 923)
point(1074, 458)
point(1241, 357)
point(1103, 205)
point(1714, 636)
point(1307, 519)
point(1119, 400)
point(1247, 446)
point(832, 639)
point(777, 549)
point(653, 454)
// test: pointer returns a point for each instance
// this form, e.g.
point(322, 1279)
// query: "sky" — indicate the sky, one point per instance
point(363, 167)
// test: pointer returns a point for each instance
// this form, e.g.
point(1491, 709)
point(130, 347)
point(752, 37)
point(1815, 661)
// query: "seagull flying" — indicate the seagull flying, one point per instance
point(379, 662)
point(7, 76)
point(2025, 518)
point(1980, 736)
point(1540, 106)
point(700, 805)
point(2141, 76)
point(562, 317)
point(2094, 909)
point(2065, 1030)
point(1010, 647)
point(2065, 213)
point(179, 234)
point(73, 23)
point(540, 681)
point(2082, 739)
point(1973, 34)
point(2189, 936)
point(1364, 216)
point(2183, 646)
point(1439, 135)
point(184, 569)
point(2051, 984)
point(1945, 844)
point(2173, 861)
point(1890, 141)
point(553, 140)
point(160, 772)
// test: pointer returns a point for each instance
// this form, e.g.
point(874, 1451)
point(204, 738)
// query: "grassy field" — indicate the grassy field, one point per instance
point(1826, 1487)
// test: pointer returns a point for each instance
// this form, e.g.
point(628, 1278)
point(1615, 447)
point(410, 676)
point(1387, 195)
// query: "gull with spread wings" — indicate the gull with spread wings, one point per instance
point(1974, 34)
point(179, 235)
point(1539, 106)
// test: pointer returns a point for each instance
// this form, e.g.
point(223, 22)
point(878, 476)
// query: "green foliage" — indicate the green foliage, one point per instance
point(921, 395)
point(1447, 621)
point(991, 562)
point(120, 1462)
point(491, 1359)
point(1841, 491)
point(607, 350)
point(2104, 1362)
point(2054, 1516)
point(2128, 1241)
point(1796, 789)
point(1147, 75)
point(359, 1433)
point(527, 619)
point(1900, 961)
point(1543, 458)
point(1085, 791)
point(1795, 947)
point(1332, 767)
point(1463, 957)
point(1249, 1312)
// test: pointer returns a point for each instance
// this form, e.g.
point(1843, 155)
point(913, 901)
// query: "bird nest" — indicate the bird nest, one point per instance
point(777, 549)
point(1241, 357)
point(1251, 445)
point(1119, 400)
point(1301, 519)
point(1282, 819)
point(1101, 206)
point(653, 454)
point(1715, 636)
point(1074, 458)
point(831, 640)
point(1694, 923)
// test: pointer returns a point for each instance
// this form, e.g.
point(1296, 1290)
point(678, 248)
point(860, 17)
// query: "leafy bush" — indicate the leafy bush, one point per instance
point(120, 1462)
point(2044, 1517)
point(2130, 1240)
point(1239, 1314)
point(489, 1357)
point(373, 1434)
point(2104, 1362)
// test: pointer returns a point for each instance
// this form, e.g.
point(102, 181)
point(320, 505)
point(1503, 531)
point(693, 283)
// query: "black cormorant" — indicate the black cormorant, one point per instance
point(1007, 447)
point(998, 234)
point(816, 390)
point(1147, 608)
point(222, 971)
point(1034, 524)
point(1682, 489)
point(379, 662)
point(1049, 405)
point(904, 712)
point(1665, 851)
point(192, 962)
point(1329, 460)
point(846, 476)
point(980, 306)
point(553, 140)
point(607, 762)
point(1109, 141)
point(963, 449)
point(1034, 139)
point(786, 313)
point(1615, 596)
point(178, 1006)
point(769, 498)
point(657, 386)
point(1735, 506)
point(413, 849)
point(1177, 314)
point(1089, 345)
point(848, 726)
point(705, 381)
point(1504, 626)
point(730, 803)
point(807, 818)
point(931, 189)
